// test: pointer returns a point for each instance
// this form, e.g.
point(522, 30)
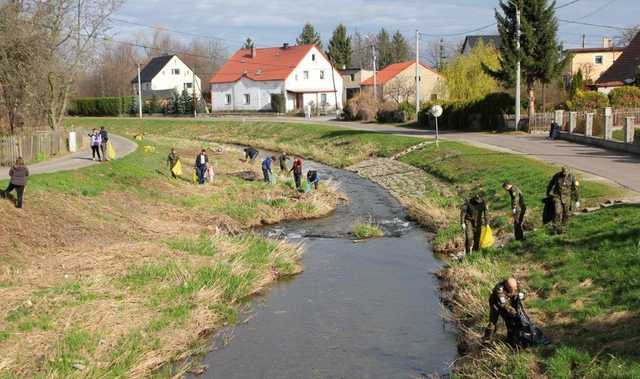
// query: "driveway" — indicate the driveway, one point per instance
point(77, 160)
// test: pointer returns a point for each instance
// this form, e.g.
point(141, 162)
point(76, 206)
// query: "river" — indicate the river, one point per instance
point(359, 310)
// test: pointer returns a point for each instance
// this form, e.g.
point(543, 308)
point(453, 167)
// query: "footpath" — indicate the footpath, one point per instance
point(80, 159)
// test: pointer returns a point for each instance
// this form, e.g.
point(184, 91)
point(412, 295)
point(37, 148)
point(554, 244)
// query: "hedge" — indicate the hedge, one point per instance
point(99, 106)
point(483, 114)
point(625, 97)
point(588, 100)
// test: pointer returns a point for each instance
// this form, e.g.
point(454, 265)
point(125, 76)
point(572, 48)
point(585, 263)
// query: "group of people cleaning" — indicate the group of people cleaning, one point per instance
point(100, 146)
point(506, 298)
point(204, 169)
point(283, 159)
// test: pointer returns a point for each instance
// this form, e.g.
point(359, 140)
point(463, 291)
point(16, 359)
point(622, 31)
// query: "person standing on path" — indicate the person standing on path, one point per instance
point(201, 165)
point(563, 190)
point(283, 160)
point(18, 174)
point(473, 216)
point(518, 209)
point(96, 141)
point(173, 160)
point(104, 140)
point(266, 168)
point(297, 173)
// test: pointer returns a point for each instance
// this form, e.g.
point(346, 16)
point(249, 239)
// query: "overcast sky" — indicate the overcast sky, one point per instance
point(270, 22)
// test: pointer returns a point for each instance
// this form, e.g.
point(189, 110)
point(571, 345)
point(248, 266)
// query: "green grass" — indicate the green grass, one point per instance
point(618, 135)
point(198, 246)
point(366, 230)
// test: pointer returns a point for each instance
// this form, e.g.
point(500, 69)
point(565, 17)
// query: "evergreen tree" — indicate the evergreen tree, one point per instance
point(185, 103)
point(173, 106)
point(384, 50)
point(577, 83)
point(540, 52)
point(249, 44)
point(309, 36)
point(399, 48)
point(340, 47)
point(133, 107)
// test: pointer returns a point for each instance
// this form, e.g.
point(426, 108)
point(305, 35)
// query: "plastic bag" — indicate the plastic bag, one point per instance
point(486, 237)
point(111, 152)
point(210, 174)
point(194, 177)
point(307, 186)
point(177, 169)
point(273, 178)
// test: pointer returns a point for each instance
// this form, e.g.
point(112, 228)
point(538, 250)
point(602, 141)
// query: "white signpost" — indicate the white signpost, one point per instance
point(436, 111)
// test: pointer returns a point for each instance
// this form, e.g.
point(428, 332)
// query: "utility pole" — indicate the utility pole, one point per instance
point(139, 94)
point(375, 72)
point(417, 71)
point(335, 91)
point(584, 36)
point(518, 68)
point(193, 85)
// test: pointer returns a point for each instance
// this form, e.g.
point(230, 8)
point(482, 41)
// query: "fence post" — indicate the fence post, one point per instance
point(573, 119)
point(588, 129)
point(559, 117)
point(608, 123)
point(629, 129)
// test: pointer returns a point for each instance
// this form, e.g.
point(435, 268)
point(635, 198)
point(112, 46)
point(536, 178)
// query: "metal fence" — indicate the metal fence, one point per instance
point(37, 146)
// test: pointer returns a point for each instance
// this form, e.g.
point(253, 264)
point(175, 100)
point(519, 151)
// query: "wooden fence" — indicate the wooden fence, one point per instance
point(38, 145)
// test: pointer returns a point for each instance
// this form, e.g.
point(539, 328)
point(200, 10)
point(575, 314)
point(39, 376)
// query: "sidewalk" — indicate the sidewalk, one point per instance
point(76, 160)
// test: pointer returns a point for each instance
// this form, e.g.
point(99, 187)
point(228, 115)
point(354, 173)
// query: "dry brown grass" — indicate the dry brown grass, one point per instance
point(65, 260)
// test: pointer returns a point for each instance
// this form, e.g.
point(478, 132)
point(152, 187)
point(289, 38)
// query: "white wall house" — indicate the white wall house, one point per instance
point(251, 76)
point(162, 75)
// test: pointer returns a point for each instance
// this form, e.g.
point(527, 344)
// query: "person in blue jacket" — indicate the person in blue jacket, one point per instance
point(266, 168)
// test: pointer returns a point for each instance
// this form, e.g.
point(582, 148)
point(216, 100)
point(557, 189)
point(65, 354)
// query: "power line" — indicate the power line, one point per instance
point(566, 4)
point(597, 10)
point(594, 25)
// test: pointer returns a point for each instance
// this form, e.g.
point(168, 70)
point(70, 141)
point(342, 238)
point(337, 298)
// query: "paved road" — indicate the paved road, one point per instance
point(77, 160)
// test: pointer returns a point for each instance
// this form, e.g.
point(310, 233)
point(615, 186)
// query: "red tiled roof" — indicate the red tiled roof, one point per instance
point(391, 71)
point(624, 68)
point(273, 63)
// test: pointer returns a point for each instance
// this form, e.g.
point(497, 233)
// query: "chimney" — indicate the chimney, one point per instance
point(253, 52)
point(606, 42)
point(285, 45)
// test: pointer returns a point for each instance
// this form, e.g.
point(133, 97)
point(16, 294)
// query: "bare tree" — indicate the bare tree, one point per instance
point(400, 89)
point(627, 35)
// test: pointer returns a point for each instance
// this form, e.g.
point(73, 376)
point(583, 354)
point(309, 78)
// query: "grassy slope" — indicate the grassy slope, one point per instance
point(574, 280)
point(138, 267)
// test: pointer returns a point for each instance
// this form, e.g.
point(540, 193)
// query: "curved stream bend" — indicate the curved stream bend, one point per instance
point(359, 310)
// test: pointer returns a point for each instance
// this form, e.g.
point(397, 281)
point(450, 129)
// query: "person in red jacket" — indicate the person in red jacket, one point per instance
point(297, 172)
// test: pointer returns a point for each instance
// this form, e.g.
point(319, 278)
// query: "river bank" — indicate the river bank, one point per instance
point(571, 279)
point(117, 269)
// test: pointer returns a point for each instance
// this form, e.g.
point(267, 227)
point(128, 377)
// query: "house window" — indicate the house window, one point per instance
point(313, 57)
point(228, 99)
point(353, 77)
point(305, 75)
point(188, 85)
point(321, 74)
point(599, 59)
point(175, 71)
point(296, 77)
point(247, 99)
point(323, 99)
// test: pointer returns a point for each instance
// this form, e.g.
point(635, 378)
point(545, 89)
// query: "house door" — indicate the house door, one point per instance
point(299, 101)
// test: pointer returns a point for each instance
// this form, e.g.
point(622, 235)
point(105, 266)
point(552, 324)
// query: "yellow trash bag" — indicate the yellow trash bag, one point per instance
point(486, 237)
point(194, 177)
point(149, 149)
point(111, 152)
point(177, 169)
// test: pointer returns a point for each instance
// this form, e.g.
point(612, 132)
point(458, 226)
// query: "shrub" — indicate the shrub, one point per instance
point(483, 114)
point(625, 97)
point(588, 101)
point(409, 109)
point(390, 112)
point(278, 103)
point(361, 107)
point(99, 106)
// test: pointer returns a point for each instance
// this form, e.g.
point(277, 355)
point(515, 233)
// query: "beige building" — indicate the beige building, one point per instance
point(398, 82)
point(352, 79)
point(593, 61)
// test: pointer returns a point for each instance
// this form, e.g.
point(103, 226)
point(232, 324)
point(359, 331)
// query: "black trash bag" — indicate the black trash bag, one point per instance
point(548, 210)
point(522, 332)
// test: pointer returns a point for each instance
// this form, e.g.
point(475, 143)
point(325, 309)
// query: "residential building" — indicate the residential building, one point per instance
point(165, 74)
point(624, 70)
point(487, 40)
point(303, 74)
point(592, 61)
point(398, 82)
point(352, 79)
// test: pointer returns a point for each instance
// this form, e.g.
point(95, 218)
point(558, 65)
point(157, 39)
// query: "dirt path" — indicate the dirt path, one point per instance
point(122, 146)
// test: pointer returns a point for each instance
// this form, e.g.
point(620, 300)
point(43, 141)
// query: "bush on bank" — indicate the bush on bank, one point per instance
point(486, 113)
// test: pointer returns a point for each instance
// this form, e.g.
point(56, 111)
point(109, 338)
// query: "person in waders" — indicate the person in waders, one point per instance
point(313, 179)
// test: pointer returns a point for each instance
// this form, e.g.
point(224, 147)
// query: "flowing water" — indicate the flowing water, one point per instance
point(359, 310)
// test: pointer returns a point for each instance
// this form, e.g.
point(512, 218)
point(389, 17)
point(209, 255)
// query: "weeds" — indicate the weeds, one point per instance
point(367, 229)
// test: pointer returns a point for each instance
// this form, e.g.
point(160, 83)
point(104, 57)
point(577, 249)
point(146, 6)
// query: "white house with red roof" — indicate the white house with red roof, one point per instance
point(303, 74)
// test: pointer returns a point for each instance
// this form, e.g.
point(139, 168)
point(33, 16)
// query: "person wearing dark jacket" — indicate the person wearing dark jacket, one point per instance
point(473, 216)
point(250, 153)
point(202, 161)
point(18, 173)
point(104, 143)
point(266, 168)
point(297, 172)
point(313, 179)
point(518, 209)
